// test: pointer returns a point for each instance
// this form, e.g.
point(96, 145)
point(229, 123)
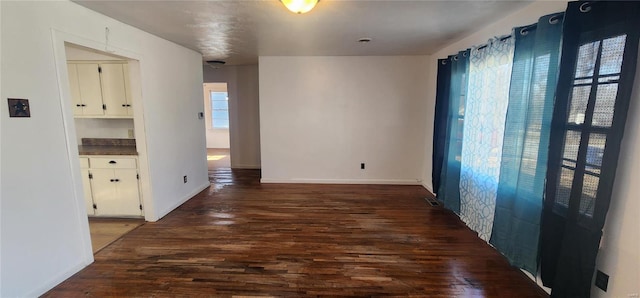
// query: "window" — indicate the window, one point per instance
point(219, 109)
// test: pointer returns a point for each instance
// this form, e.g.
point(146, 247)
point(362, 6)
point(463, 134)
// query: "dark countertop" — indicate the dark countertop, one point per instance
point(107, 150)
point(106, 146)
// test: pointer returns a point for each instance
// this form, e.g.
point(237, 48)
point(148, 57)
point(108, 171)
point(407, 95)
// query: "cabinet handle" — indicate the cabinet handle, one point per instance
point(112, 162)
point(78, 105)
point(115, 180)
point(84, 105)
point(124, 105)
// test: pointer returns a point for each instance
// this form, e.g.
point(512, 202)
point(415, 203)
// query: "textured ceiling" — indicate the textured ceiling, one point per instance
point(240, 31)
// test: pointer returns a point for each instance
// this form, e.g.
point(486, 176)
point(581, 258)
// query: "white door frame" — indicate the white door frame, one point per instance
point(208, 115)
point(135, 60)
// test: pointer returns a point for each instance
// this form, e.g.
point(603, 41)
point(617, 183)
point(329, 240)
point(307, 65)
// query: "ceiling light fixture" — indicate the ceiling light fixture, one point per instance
point(300, 6)
point(215, 64)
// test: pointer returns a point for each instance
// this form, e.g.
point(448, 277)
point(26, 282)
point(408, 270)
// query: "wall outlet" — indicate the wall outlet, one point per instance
point(184, 178)
point(362, 166)
point(131, 135)
point(602, 280)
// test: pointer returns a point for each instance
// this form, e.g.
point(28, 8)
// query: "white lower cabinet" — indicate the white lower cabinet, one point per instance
point(86, 185)
point(114, 187)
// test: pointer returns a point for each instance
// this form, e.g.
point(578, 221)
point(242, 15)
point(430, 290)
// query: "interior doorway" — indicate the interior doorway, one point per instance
point(217, 125)
point(102, 106)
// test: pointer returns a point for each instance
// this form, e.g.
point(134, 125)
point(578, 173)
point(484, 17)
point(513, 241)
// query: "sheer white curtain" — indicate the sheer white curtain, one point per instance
point(485, 113)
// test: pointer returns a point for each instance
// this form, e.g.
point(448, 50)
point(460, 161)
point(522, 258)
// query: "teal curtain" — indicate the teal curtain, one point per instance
point(485, 111)
point(523, 166)
point(448, 191)
point(440, 121)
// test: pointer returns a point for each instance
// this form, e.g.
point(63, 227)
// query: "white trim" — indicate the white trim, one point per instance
point(343, 181)
point(51, 283)
point(58, 39)
point(182, 201)
point(538, 281)
point(428, 187)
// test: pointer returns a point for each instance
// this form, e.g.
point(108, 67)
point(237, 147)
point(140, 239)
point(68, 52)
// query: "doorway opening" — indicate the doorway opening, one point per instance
point(102, 104)
point(217, 125)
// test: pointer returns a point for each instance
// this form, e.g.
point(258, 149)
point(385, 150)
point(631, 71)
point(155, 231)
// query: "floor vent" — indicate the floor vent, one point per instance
point(432, 201)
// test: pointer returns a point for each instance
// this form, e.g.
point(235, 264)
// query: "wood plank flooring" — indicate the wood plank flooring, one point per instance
point(242, 238)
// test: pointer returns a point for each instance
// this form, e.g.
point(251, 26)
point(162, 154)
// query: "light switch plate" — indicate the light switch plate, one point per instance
point(19, 107)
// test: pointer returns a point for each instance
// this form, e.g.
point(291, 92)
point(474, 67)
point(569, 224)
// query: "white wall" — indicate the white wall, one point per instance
point(320, 117)
point(216, 137)
point(619, 255)
point(79, 53)
point(244, 118)
point(45, 236)
point(102, 128)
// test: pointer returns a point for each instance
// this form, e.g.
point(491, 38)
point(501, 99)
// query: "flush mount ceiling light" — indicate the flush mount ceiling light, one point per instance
point(299, 6)
point(215, 64)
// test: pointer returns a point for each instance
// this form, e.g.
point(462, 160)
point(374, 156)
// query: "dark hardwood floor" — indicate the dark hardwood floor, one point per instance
point(243, 238)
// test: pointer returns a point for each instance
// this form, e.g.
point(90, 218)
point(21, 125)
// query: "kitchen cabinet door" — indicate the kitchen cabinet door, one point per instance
point(74, 87)
point(127, 89)
point(115, 192)
point(90, 89)
point(114, 94)
point(86, 187)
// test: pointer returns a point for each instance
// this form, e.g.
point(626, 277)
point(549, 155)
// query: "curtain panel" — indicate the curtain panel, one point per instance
point(516, 226)
point(449, 192)
point(597, 69)
point(485, 112)
point(440, 121)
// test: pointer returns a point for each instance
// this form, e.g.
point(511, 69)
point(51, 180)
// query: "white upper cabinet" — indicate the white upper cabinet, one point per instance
point(74, 87)
point(114, 94)
point(86, 91)
point(100, 89)
point(127, 89)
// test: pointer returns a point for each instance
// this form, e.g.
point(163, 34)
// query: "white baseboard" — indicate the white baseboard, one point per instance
point(343, 181)
point(538, 281)
point(428, 187)
point(184, 199)
point(56, 280)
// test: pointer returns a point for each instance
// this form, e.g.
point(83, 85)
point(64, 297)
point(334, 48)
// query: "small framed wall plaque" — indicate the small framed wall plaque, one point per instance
point(19, 107)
